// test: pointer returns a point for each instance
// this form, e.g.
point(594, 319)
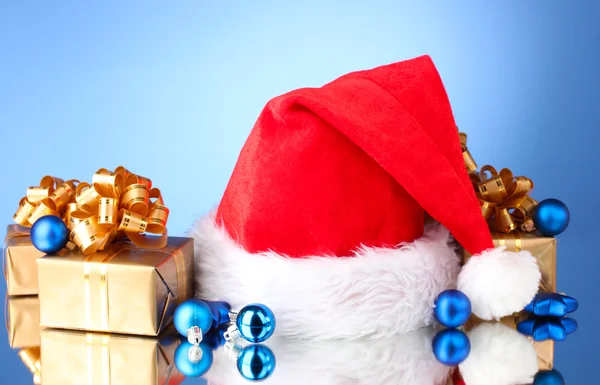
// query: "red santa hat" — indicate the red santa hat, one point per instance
point(323, 219)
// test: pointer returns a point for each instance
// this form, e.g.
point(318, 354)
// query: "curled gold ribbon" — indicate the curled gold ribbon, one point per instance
point(503, 198)
point(116, 204)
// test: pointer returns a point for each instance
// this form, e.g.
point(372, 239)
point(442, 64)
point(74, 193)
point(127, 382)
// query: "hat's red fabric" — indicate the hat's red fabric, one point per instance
point(354, 162)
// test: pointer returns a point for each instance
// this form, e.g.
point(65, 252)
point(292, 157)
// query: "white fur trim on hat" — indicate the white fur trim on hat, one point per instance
point(499, 282)
point(499, 356)
point(403, 359)
point(377, 292)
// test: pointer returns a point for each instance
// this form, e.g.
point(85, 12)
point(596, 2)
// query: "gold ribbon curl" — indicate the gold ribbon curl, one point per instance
point(503, 198)
point(115, 205)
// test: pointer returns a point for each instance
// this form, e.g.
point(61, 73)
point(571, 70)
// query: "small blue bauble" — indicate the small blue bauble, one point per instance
point(49, 234)
point(256, 322)
point(189, 368)
point(452, 308)
point(548, 377)
point(256, 362)
point(220, 311)
point(451, 347)
point(192, 312)
point(551, 217)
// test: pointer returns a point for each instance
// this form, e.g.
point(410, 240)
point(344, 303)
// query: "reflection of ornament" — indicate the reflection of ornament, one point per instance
point(255, 362)
point(254, 323)
point(193, 318)
point(551, 217)
point(49, 234)
point(552, 305)
point(451, 347)
point(548, 377)
point(452, 308)
point(547, 328)
point(193, 360)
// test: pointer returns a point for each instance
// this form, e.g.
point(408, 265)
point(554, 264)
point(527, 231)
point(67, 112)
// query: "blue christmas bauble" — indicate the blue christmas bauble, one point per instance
point(548, 377)
point(220, 311)
point(193, 312)
point(256, 362)
point(189, 367)
point(551, 217)
point(451, 347)
point(256, 322)
point(452, 308)
point(49, 234)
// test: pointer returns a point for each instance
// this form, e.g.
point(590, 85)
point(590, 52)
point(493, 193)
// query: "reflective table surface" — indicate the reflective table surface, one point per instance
point(486, 353)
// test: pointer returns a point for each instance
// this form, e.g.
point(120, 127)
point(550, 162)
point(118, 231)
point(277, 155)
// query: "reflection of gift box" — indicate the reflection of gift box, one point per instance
point(122, 289)
point(542, 248)
point(23, 322)
point(19, 265)
point(71, 357)
point(543, 349)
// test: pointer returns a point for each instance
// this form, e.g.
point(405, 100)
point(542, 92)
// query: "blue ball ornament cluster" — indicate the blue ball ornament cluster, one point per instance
point(256, 362)
point(49, 234)
point(551, 217)
point(256, 323)
point(452, 308)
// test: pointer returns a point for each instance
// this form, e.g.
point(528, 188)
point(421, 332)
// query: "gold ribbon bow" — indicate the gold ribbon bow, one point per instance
point(503, 198)
point(115, 205)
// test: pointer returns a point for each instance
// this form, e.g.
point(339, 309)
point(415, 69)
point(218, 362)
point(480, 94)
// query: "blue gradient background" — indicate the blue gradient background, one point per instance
point(171, 91)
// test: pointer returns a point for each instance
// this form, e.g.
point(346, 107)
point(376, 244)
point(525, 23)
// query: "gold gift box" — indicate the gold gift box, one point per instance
point(544, 251)
point(23, 322)
point(20, 261)
point(121, 289)
point(75, 358)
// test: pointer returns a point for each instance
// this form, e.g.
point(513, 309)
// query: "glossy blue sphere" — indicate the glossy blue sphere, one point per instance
point(49, 234)
point(256, 362)
point(256, 322)
point(551, 217)
point(189, 368)
point(548, 377)
point(192, 312)
point(452, 308)
point(451, 347)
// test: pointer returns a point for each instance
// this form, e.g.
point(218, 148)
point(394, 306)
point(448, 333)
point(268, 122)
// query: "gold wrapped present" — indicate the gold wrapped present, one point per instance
point(542, 248)
point(544, 251)
point(75, 358)
point(23, 322)
point(20, 261)
point(121, 289)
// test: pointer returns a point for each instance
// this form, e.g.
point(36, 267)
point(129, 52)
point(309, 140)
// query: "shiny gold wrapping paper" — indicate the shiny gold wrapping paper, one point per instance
point(542, 248)
point(23, 322)
point(79, 358)
point(121, 289)
point(544, 251)
point(20, 261)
